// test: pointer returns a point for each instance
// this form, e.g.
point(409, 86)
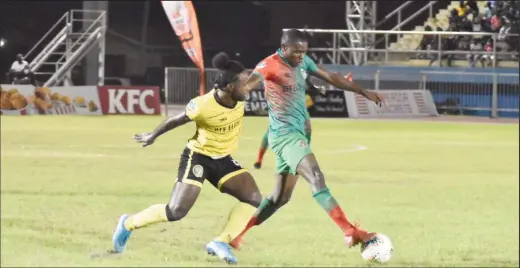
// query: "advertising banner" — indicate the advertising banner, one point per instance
point(129, 100)
point(183, 20)
point(331, 104)
point(30, 100)
point(399, 103)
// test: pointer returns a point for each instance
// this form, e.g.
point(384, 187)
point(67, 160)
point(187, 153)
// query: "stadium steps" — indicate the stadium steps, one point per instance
point(441, 19)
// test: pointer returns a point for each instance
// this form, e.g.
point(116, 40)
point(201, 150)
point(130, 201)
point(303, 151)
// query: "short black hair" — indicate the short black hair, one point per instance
point(293, 36)
point(228, 70)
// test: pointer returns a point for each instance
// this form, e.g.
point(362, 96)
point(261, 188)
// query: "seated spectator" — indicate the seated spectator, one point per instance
point(473, 7)
point(496, 21)
point(426, 42)
point(17, 68)
point(454, 17)
point(476, 45)
point(448, 43)
point(488, 57)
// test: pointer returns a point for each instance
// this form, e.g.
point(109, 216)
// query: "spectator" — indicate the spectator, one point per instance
point(454, 17)
point(476, 45)
point(496, 21)
point(488, 57)
point(17, 68)
point(488, 11)
point(426, 42)
point(448, 43)
point(473, 7)
point(461, 9)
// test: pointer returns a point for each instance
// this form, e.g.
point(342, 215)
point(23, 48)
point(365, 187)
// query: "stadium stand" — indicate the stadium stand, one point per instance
point(469, 16)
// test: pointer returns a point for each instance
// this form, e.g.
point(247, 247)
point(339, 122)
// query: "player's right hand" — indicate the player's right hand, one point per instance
point(373, 96)
point(144, 138)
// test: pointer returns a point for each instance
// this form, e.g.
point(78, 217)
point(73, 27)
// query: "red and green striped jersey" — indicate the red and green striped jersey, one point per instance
point(285, 88)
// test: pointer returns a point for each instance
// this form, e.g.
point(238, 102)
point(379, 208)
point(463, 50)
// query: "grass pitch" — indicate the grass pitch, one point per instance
point(446, 194)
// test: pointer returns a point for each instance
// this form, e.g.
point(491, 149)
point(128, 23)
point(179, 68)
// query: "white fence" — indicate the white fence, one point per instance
point(463, 91)
point(332, 46)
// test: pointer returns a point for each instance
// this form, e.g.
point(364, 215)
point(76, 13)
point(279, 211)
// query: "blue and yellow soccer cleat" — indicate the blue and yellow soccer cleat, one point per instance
point(221, 250)
point(121, 235)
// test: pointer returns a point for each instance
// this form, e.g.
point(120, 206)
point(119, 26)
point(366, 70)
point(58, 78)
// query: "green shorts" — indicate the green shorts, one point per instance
point(289, 150)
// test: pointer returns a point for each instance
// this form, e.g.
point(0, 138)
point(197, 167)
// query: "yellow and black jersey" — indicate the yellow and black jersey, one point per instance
point(218, 127)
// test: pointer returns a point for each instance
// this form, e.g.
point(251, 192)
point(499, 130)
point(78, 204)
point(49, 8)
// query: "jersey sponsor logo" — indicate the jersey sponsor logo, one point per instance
point(198, 171)
point(261, 65)
point(227, 128)
point(304, 73)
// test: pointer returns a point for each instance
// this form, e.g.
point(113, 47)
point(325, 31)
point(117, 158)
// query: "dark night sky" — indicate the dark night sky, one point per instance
point(235, 26)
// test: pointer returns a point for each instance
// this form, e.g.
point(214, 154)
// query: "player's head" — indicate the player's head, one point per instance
point(294, 46)
point(230, 73)
point(19, 57)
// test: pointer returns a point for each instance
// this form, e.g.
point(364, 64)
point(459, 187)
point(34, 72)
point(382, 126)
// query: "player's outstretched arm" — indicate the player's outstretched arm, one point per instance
point(167, 125)
point(253, 81)
point(338, 81)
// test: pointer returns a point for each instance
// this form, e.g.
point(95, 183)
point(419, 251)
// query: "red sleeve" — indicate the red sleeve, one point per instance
point(264, 69)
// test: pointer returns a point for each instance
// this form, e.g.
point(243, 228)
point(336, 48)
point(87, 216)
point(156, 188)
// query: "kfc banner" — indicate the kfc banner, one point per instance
point(82, 100)
point(129, 100)
point(30, 100)
point(183, 20)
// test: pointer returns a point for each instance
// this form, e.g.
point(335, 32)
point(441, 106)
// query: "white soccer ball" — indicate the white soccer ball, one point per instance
point(378, 249)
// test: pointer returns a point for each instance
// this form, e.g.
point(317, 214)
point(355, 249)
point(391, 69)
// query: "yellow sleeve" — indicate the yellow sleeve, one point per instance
point(194, 108)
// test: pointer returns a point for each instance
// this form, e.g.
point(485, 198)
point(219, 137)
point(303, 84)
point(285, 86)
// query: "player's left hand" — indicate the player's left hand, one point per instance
point(373, 96)
point(145, 138)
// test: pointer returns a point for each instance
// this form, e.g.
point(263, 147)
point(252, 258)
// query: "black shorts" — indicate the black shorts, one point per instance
point(194, 168)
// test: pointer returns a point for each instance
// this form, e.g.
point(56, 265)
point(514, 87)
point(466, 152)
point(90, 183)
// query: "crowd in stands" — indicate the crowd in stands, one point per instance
point(500, 17)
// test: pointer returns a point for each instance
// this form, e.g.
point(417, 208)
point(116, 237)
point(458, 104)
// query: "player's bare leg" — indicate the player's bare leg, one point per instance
point(263, 148)
point(182, 199)
point(282, 193)
point(311, 172)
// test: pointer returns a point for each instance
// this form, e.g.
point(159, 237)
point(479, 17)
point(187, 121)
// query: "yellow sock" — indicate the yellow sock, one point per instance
point(237, 221)
point(152, 215)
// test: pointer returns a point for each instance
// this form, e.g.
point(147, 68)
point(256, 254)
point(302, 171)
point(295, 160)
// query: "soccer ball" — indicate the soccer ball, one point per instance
point(378, 249)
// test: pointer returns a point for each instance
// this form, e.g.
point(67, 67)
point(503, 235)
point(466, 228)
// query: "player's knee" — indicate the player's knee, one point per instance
point(280, 201)
point(317, 180)
point(254, 199)
point(175, 212)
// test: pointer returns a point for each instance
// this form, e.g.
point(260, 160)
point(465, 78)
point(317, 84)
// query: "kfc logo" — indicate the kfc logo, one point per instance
point(124, 100)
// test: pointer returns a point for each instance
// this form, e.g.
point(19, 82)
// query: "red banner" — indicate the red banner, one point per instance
point(183, 20)
point(129, 100)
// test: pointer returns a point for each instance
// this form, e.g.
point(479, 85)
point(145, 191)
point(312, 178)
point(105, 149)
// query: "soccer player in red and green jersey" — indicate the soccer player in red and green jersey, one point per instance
point(312, 89)
point(284, 74)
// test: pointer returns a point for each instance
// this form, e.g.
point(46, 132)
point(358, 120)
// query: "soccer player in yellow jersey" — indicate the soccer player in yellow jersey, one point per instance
point(218, 116)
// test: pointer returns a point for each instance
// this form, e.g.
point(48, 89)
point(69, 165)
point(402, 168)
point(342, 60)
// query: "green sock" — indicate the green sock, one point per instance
point(266, 209)
point(265, 140)
point(325, 199)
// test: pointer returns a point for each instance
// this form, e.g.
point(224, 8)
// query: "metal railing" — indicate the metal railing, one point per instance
point(337, 53)
point(491, 93)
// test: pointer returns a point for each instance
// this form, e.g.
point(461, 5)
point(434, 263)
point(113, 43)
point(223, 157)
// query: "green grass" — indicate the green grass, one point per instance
point(445, 193)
